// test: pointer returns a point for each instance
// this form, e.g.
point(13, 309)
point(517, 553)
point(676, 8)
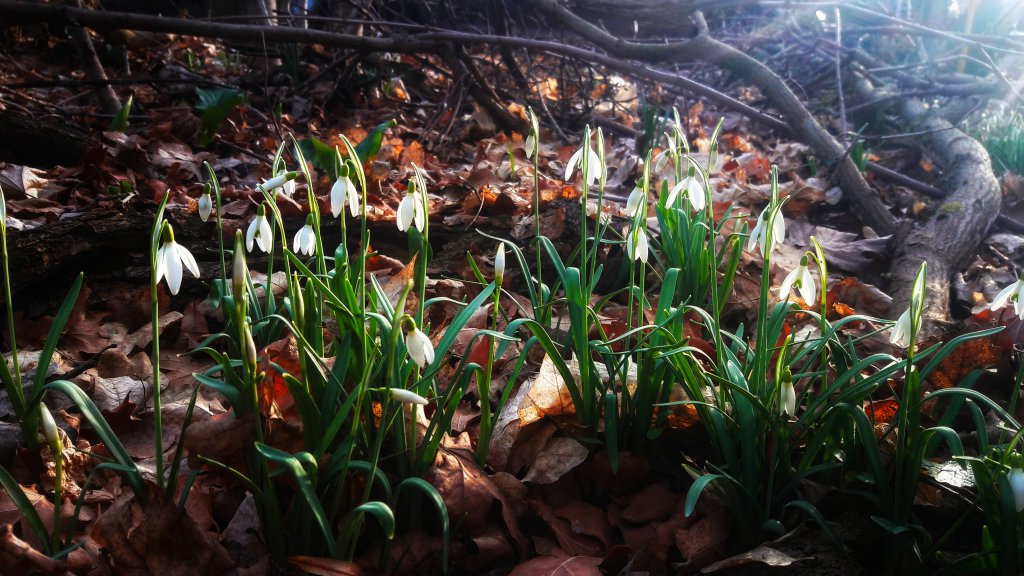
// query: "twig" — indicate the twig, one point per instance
point(92, 66)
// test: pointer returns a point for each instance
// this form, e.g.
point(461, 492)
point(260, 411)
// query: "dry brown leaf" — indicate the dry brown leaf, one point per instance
point(558, 457)
point(559, 566)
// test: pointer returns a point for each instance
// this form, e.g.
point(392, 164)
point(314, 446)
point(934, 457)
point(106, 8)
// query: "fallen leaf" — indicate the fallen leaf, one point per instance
point(558, 457)
point(559, 566)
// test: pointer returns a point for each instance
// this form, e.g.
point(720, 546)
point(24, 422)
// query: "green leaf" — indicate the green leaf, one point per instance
point(438, 502)
point(120, 121)
point(293, 465)
point(370, 145)
point(22, 503)
point(103, 430)
point(696, 489)
point(320, 154)
point(215, 105)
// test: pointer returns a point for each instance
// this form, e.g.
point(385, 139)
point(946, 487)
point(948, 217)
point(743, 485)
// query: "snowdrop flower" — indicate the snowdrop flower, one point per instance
point(417, 343)
point(281, 179)
point(759, 235)
point(171, 259)
point(344, 190)
point(787, 394)
point(635, 200)
point(530, 146)
point(260, 231)
point(49, 426)
point(406, 396)
point(661, 160)
point(1011, 293)
point(410, 210)
point(499, 264)
point(694, 192)
point(305, 239)
point(594, 167)
point(800, 278)
point(639, 250)
point(1016, 479)
point(901, 330)
point(205, 205)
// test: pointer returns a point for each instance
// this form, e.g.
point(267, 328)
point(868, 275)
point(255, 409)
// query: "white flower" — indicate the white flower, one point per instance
point(499, 264)
point(281, 179)
point(639, 251)
point(305, 240)
point(694, 192)
point(260, 230)
point(49, 427)
point(205, 206)
point(1011, 293)
point(801, 278)
point(759, 235)
point(787, 397)
point(594, 167)
point(344, 190)
point(407, 396)
point(901, 330)
point(635, 200)
point(1016, 480)
point(410, 210)
point(662, 159)
point(530, 146)
point(420, 349)
point(170, 260)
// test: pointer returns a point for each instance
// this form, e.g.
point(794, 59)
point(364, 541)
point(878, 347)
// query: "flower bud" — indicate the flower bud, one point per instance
point(407, 396)
point(1016, 479)
point(279, 180)
point(499, 264)
point(239, 271)
point(205, 204)
point(49, 427)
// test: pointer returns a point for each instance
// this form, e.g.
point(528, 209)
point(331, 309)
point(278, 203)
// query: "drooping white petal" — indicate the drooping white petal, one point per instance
point(338, 193)
point(161, 266)
point(407, 396)
point(673, 193)
point(264, 234)
point(787, 284)
point(250, 234)
point(420, 349)
point(205, 207)
point(354, 207)
point(808, 290)
point(173, 272)
point(595, 170)
point(695, 193)
point(1004, 295)
point(901, 330)
point(640, 250)
point(289, 188)
point(406, 212)
point(186, 258)
point(419, 217)
point(571, 165)
point(778, 230)
point(634, 201)
point(755, 234)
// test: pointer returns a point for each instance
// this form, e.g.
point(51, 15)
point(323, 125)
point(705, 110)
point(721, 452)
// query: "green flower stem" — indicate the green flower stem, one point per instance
point(483, 445)
point(16, 394)
point(154, 307)
point(215, 184)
